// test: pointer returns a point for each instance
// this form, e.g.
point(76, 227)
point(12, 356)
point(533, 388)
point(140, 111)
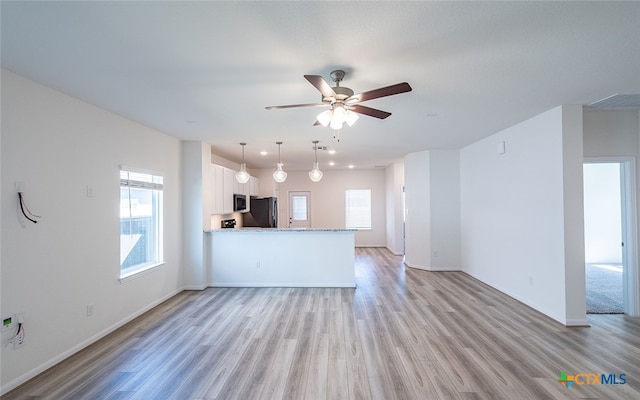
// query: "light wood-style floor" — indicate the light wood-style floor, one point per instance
point(402, 334)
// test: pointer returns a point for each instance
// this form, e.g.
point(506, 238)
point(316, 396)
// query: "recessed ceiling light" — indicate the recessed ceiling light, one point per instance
point(332, 151)
point(350, 166)
point(331, 163)
point(263, 153)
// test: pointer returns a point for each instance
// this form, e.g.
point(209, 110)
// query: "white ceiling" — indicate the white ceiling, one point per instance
point(206, 70)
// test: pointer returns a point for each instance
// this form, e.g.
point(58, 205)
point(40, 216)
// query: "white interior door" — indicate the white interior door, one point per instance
point(299, 210)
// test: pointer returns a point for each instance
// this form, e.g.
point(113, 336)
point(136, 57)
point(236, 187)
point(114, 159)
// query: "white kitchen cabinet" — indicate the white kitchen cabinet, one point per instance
point(222, 181)
point(254, 187)
point(227, 201)
point(225, 185)
point(217, 185)
point(240, 188)
point(245, 188)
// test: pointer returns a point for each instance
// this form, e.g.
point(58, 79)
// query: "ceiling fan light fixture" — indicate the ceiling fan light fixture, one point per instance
point(279, 175)
point(339, 116)
point(351, 117)
point(324, 118)
point(343, 102)
point(243, 176)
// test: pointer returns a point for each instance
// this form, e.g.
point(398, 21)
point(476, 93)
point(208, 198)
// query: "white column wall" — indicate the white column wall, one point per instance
point(196, 211)
point(445, 209)
point(573, 198)
point(418, 203)
point(522, 213)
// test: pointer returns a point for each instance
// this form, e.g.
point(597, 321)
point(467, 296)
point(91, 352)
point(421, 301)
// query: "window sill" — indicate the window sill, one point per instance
point(138, 272)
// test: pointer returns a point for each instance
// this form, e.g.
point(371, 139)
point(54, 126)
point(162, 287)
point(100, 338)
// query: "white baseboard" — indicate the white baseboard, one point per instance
point(194, 287)
point(6, 388)
point(280, 284)
point(433, 268)
point(577, 322)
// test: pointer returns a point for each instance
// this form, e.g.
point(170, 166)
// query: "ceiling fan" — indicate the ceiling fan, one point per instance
point(343, 104)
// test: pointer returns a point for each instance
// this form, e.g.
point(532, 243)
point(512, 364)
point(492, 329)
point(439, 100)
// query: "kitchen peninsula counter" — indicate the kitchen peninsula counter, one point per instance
point(258, 229)
point(280, 257)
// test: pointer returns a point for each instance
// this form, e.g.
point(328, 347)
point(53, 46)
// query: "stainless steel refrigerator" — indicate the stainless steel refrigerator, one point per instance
point(263, 213)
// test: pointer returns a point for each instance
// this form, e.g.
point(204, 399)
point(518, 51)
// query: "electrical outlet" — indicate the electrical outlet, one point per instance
point(89, 310)
point(19, 186)
point(90, 191)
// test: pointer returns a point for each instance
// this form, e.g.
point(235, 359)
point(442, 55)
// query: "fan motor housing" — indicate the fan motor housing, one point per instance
point(341, 92)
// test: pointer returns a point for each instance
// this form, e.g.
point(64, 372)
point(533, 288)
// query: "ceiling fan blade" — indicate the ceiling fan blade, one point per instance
point(296, 106)
point(319, 83)
point(372, 112)
point(382, 92)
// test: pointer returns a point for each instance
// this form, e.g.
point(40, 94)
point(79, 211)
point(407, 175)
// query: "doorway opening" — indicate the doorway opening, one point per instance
point(610, 236)
point(404, 220)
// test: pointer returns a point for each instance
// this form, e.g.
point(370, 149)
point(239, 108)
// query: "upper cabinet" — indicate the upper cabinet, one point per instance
point(225, 185)
point(217, 185)
point(227, 201)
point(254, 187)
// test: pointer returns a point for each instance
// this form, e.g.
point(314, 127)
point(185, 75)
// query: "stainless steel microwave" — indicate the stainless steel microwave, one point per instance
point(239, 202)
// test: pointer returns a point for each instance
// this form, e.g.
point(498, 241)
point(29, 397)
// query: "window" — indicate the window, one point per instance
point(358, 209)
point(140, 221)
point(299, 208)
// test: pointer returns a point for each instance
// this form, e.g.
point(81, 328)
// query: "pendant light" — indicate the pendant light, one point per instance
point(243, 176)
point(280, 175)
point(315, 174)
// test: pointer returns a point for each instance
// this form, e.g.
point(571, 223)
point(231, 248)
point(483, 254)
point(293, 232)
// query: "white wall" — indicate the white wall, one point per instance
point(445, 209)
point(57, 145)
point(573, 202)
point(418, 203)
point(268, 187)
point(611, 133)
point(328, 199)
point(521, 218)
point(432, 180)
point(196, 211)
point(394, 180)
